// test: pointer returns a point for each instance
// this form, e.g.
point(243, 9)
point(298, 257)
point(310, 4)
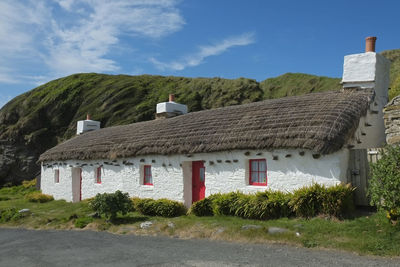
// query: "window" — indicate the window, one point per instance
point(56, 176)
point(98, 175)
point(258, 172)
point(148, 178)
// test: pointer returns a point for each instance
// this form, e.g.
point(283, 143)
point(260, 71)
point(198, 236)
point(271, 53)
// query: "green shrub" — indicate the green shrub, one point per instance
point(307, 201)
point(38, 197)
point(83, 221)
point(225, 204)
point(4, 198)
point(263, 205)
point(110, 204)
point(384, 185)
point(160, 207)
point(338, 200)
point(10, 214)
point(202, 207)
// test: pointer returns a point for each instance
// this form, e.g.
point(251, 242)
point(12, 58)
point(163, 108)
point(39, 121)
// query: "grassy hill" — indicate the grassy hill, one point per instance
point(291, 84)
point(39, 119)
point(394, 57)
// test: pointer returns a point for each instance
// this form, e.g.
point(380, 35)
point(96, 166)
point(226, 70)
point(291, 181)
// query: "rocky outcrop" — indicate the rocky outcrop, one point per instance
point(392, 121)
point(17, 163)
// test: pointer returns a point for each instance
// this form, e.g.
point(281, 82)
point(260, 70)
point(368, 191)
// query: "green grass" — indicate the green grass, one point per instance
point(365, 234)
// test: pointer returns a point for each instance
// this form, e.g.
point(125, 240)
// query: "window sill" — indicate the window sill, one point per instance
point(256, 186)
point(147, 187)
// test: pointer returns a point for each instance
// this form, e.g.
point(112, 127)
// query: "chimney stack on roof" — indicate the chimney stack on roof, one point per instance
point(87, 125)
point(367, 70)
point(370, 44)
point(170, 109)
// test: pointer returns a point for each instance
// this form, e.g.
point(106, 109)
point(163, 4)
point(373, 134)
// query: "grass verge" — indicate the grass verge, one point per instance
point(365, 234)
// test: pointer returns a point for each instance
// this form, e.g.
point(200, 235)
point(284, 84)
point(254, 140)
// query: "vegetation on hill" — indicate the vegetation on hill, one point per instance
point(292, 84)
point(394, 57)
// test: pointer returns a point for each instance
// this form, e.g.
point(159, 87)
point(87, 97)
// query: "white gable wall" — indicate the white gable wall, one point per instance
point(172, 174)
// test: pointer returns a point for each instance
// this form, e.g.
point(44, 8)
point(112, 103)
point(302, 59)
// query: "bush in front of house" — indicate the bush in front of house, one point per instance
point(110, 204)
point(9, 214)
point(384, 185)
point(225, 204)
point(307, 201)
point(38, 197)
point(159, 207)
point(202, 207)
point(263, 205)
point(338, 200)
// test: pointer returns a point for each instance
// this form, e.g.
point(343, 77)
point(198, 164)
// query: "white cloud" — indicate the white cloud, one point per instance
point(204, 52)
point(70, 36)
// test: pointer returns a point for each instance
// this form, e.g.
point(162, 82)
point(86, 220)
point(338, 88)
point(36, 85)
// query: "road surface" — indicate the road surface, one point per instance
point(19, 247)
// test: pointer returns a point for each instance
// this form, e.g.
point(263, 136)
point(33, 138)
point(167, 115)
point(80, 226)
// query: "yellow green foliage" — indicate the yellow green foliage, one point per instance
point(38, 197)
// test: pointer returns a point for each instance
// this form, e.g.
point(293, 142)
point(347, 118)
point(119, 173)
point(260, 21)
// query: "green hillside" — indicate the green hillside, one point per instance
point(39, 119)
point(291, 84)
point(394, 57)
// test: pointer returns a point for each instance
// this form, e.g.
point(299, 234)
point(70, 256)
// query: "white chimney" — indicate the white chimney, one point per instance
point(87, 125)
point(367, 70)
point(170, 109)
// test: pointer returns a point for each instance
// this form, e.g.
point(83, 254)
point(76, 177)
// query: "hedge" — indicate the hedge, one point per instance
point(160, 207)
point(306, 202)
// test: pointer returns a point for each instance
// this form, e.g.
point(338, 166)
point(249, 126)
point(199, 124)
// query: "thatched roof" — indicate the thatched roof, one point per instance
point(322, 122)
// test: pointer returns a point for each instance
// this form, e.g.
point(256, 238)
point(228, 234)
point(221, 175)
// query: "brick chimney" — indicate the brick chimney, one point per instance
point(370, 44)
point(170, 109)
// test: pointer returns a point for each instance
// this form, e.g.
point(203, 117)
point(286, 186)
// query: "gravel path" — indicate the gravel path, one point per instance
point(19, 247)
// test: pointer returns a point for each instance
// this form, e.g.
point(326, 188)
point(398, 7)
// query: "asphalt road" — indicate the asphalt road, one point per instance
point(20, 247)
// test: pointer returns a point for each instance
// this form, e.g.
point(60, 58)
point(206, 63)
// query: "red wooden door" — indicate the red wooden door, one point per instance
point(198, 181)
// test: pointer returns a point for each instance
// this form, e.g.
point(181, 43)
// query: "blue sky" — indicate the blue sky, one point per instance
point(41, 40)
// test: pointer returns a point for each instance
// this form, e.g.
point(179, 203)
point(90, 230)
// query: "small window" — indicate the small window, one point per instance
point(98, 175)
point(148, 178)
point(258, 172)
point(56, 176)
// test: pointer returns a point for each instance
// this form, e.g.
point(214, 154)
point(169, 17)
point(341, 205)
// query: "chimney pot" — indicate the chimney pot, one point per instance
point(370, 44)
point(88, 117)
point(171, 98)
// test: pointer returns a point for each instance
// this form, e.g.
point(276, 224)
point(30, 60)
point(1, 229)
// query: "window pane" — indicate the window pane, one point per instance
point(254, 177)
point(262, 177)
point(202, 174)
point(148, 179)
point(262, 165)
point(254, 166)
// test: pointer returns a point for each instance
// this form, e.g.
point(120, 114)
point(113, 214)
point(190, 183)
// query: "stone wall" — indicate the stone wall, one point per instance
point(392, 121)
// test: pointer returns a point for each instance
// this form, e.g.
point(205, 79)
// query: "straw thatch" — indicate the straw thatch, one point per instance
point(322, 122)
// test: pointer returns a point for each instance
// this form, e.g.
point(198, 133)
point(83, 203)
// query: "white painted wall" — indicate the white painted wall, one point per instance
point(369, 70)
point(172, 174)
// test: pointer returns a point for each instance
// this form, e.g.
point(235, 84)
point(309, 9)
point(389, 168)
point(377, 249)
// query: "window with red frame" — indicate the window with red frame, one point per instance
point(148, 178)
point(98, 175)
point(56, 176)
point(258, 172)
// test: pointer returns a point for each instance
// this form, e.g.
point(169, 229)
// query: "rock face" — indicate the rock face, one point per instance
point(17, 163)
point(392, 121)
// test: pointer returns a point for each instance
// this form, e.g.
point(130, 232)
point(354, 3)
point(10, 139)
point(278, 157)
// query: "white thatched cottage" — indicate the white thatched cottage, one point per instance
point(278, 144)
